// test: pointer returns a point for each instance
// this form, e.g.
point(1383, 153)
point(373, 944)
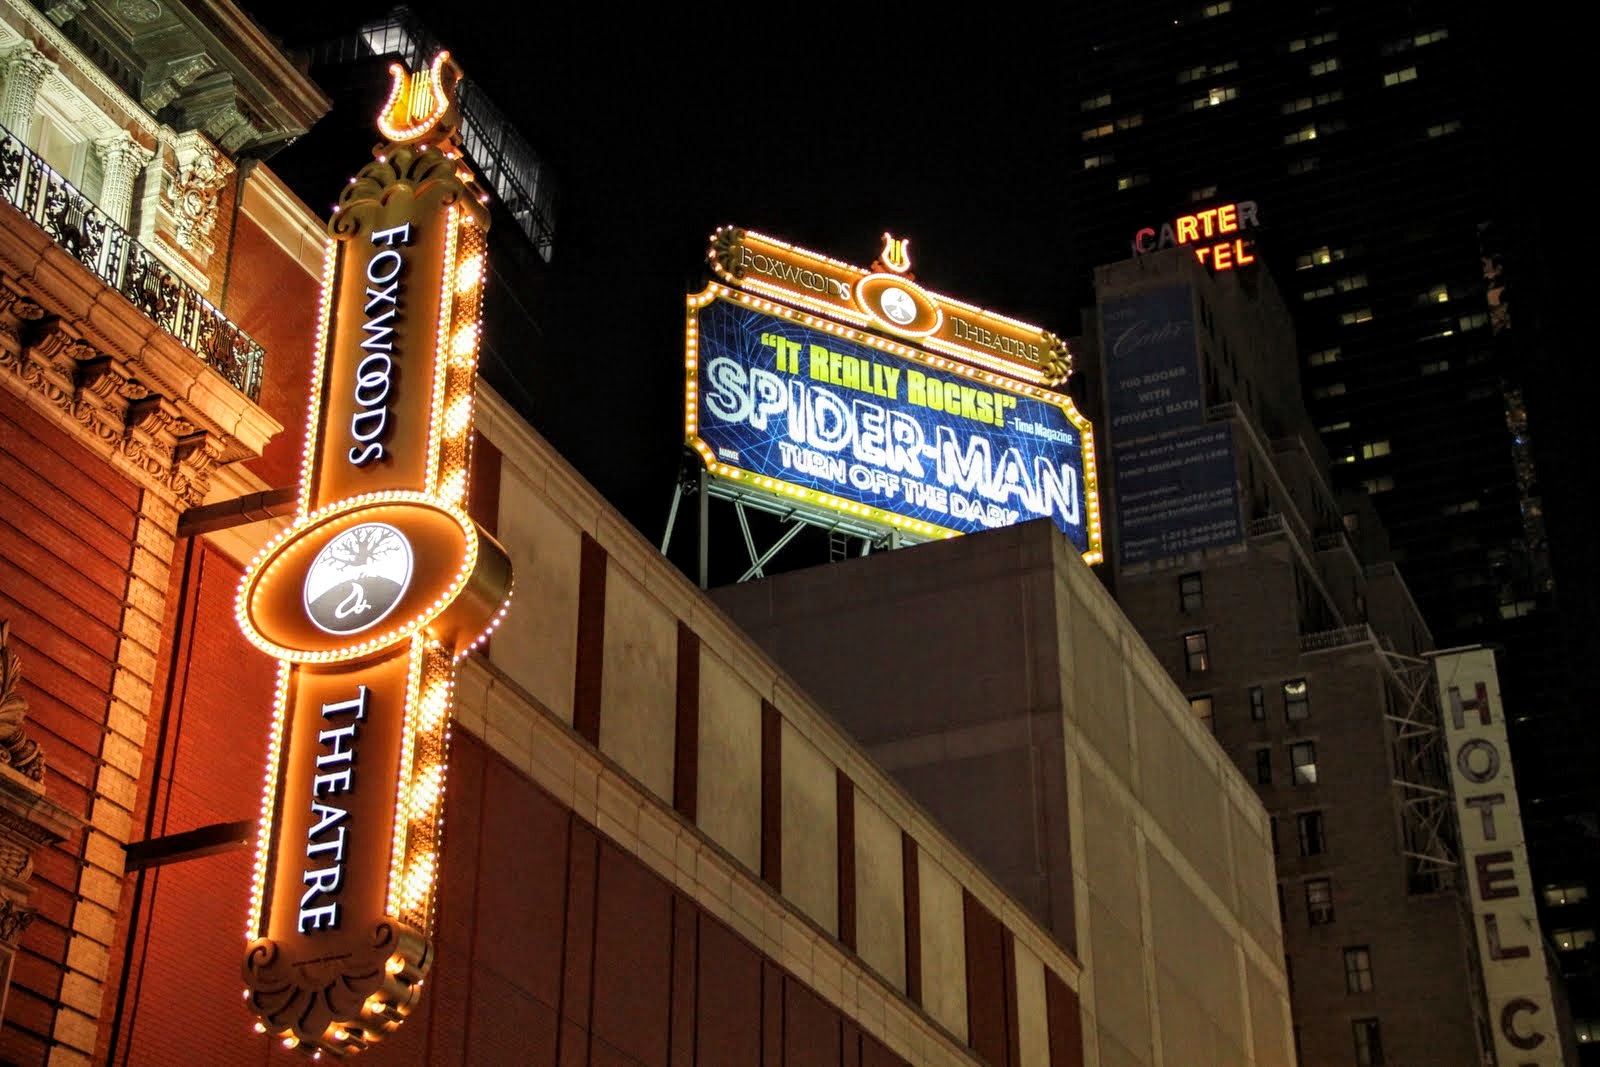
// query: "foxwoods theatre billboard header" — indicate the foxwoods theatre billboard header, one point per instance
point(888, 403)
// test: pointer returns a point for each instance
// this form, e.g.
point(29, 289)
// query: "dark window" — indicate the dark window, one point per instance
point(1196, 653)
point(1303, 762)
point(1296, 699)
point(1369, 1043)
point(1357, 969)
point(1309, 823)
point(1272, 828)
point(1191, 595)
point(1201, 706)
point(1258, 704)
point(1319, 901)
point(1263, 766)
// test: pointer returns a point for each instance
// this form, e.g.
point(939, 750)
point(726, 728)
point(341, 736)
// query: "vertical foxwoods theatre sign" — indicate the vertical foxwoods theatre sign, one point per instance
point(933, 417)
point(374, 594)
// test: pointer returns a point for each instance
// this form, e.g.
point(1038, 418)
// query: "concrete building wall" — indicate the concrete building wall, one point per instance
point(995, 677)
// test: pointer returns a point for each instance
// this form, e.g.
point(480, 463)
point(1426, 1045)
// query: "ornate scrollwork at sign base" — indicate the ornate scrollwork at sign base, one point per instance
point(432, 176)
point(366, 997)
point(725, 245)
point(16, 747)
point(1057, 362)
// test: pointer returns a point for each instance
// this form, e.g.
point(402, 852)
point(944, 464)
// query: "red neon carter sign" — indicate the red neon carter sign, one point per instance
point(1210, 230)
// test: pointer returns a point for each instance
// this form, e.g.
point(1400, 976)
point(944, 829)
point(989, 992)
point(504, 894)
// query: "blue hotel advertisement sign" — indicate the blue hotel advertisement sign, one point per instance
point(785, 401)
point(1152, 367)
point(1176, 494)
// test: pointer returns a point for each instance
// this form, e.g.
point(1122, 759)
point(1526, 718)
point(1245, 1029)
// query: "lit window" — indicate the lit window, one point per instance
point(1309, 826)
point(1305, 133)
point(1351, 282)
point(1094, 132)
point(1457, 509)
point(1572, 940)
point(1196, 653)
point(1439, 294)
point(1558, 894)
point(1131, 181)
point(1101, 160)
point(1193, 74)
point(1318, 293)
point(1305, 165)
point(1264, 767)
point(1217, 95)
point(1323, 357)
point(1089, 103)
point(1258, 704)
point(1325, 66)
point(1355, 316)
point(1322, 392)
point(1380, 484)
point(1221, 7)
point(1430, 37)
point(1400, 77)
point(1317, 257)
point(1444, 129)
point(1319, 901)
point(1303, 762)
point(1128, 122)
point(1205, 192)
point(1191, 593)
point(1202, 709)
point(1296, 700)
point(1334, 427)
point(1374, 449)
point(1369, 1043)
point(1293, 106)
point(1357, 969)
point(1438, 366)
point(1477, 320)
point(1587, 1030)
point(1517, 609)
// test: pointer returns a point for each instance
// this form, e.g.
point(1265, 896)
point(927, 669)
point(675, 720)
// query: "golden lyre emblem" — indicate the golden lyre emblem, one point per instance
point(896, 253)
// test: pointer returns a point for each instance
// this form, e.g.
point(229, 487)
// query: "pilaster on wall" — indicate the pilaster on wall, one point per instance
point(110, 826)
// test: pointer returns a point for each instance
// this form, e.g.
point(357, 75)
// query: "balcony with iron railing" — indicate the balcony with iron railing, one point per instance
point(1342, 637)
point(96, 241)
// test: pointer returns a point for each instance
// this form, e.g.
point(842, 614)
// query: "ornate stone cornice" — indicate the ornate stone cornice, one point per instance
point(113, 378)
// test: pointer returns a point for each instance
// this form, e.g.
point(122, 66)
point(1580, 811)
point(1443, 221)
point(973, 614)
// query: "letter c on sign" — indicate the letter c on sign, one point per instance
point(1141, 240)
point(1508, 1028)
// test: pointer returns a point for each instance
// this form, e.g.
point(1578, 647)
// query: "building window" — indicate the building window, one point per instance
point(1191, 74)
point(1355, 316)
point(1309, 825)
point(1357, 969)
point(1305, 165)
point(1272, 832)
point(1322, 392)
point(1587, 1030)
point(1369, 1043)
point(1374, 449)
point(1095, 132)
point(1325, 66)
point(1303, 762)
point(1196, 653)
point(1444, 129)
point(1319, 901)
point(1572, 940)
point(1560, 893)
point(1131, 181)
point(1101, 160)
point(1351, 282)
point(1128, 122)
point(1474, 321)
point(1323, 357)
point(1263, 766)
point(1439, 294)
point(1381, 484)
point(1191, 594)
point(1205, 192)
point(1300, 44)
point(1303, 134)
point(1258, 704)
point(1202, 709)
point(1437, 366)
point(1400, 77)
point(1221, 7)
point(1089, 103)
point(1318, 293)
point(1296, 700)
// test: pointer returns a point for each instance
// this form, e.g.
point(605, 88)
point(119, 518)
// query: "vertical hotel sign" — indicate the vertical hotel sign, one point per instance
point(1516, 972)
point(374, 594)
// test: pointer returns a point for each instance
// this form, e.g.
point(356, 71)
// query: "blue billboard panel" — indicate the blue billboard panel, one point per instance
point(1177, 494)
point(1152, 367)
point(877, 433)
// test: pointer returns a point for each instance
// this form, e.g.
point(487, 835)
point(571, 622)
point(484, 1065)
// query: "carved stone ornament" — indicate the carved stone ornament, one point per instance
point(194, 199)
point(13, 920)
point(16, 747)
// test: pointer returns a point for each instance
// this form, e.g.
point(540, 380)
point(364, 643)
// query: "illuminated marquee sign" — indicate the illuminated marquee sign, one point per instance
point(1516, 975)
point(799, 406)
point(374, 594)
point(1217, 234)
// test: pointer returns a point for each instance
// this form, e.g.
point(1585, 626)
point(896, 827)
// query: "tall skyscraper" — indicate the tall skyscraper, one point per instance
point(1371, 144)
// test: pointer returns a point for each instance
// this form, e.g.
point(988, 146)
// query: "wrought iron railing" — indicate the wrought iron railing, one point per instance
point(95, 240)
point(1358, 634)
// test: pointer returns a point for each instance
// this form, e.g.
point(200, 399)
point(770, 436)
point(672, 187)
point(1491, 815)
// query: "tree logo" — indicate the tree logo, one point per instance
point(358, 578)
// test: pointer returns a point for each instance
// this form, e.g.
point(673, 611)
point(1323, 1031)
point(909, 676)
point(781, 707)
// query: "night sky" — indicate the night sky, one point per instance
point(826, 130)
